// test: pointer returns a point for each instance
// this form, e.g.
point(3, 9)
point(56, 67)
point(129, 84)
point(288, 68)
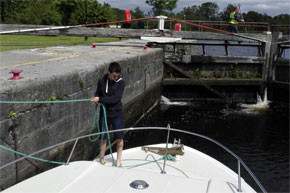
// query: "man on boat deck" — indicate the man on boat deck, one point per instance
point(109, 92)
point(235, 18)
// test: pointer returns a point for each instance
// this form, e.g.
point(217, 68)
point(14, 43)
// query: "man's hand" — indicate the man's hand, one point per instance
point(242, 20)
point(95, 99)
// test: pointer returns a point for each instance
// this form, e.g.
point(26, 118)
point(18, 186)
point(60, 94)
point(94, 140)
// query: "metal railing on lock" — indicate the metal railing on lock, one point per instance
point(253, 26)
point(168, 129)
point(258, 26)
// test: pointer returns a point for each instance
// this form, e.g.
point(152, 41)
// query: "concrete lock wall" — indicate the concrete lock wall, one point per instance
point(30, 127)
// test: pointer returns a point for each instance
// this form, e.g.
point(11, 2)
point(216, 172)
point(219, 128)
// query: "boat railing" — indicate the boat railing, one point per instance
point(168, 129)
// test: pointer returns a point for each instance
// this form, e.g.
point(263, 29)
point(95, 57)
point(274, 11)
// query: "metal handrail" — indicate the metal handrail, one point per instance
point(240, 161)
point(154, 160)
point(201, 22)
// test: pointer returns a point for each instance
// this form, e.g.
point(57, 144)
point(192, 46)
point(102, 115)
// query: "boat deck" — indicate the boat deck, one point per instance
point(194, 172)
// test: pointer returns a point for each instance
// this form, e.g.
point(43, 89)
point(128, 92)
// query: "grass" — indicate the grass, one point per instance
point(20, 41)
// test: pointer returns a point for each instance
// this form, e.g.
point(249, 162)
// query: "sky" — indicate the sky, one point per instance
point(270, 7)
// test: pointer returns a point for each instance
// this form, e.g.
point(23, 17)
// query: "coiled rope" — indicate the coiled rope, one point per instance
point(96, 118)
point(103, 128)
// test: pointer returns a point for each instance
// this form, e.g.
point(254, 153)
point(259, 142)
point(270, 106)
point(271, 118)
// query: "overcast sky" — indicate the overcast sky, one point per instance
point(270, 7)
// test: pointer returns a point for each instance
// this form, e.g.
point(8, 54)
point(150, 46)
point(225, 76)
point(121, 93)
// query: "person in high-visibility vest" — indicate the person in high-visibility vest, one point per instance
point(235, 18)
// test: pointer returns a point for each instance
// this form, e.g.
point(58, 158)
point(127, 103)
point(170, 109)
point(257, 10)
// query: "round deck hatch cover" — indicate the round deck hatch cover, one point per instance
point(139, 184)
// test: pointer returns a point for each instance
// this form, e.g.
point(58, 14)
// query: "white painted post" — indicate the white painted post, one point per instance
point(161, 19)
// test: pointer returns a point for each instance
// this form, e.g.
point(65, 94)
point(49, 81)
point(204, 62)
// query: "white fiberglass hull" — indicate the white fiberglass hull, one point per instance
point(194, 172)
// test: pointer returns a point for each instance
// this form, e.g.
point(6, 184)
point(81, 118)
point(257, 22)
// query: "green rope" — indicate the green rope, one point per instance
point(95, 119)
point(38, 102)
point(104, 128)
point(32, 157)
point(170, 157)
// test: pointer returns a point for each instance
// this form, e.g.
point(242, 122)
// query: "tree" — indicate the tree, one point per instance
point(41, 12)
point(51, 17)
point(282, 19)
point(12, 10)
point(105, 13)
point(66, 9)
point(189, 12)
point(118, 14)
point(137, 13)
point(282, 23)
point(160, 6)
point(208, 10)
point(74, 12)
point(253, 16)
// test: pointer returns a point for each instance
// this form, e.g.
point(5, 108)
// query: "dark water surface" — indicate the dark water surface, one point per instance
point(260, 139)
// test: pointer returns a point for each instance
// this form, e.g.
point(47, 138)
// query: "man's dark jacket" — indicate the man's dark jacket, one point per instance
point(110, 93)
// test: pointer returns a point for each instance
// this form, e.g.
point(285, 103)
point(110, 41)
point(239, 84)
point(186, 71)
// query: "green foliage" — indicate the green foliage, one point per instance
point(66, 8)
point(205, 11)
point(135, 14)
point(76, 12)
point(206, 75)
point(196, 73)
point(208, 10)
point(233, 71)
point(219, 74)
point(51, 17)
point(118, 14)
point(189, 12)
point(149, 71)
point(160, 7)
point(55, 12)
point(107, 13)
point(11, 10)
point(55, 98)
point(12, 114)
point(52, 98)
point(41, 12)
point(253, 16)
point(82, 84)
point(282, 19)
point(129, 69)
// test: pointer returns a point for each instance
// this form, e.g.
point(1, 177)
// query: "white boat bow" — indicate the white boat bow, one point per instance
point(193, 171)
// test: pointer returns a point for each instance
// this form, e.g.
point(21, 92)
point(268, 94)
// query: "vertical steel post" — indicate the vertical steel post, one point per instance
point(165, 157)
point(239, 177)
point(72, 151)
